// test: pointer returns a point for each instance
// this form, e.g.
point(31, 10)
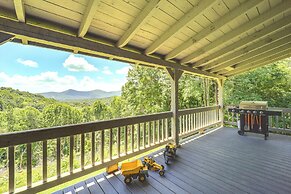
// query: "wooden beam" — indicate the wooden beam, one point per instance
point(142, 17)
point(230, 58)
point(277, 57)
point(181, 23)
point(266, 16)
point(244, 42)
point(88, 17)
point(66, 42)
point(19, 9)
point(239, 10)
point(252, 54)
point(5, 38)
point(283, 50)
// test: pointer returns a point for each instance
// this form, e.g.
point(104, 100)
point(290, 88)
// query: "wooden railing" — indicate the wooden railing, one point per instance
point(103, 142)
point(280, 123)
point(193, 120)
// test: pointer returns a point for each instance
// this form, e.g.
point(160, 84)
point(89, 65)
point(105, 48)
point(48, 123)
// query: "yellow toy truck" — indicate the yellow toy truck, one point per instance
point(133, 170)
point(170, 152)
point(152, 165)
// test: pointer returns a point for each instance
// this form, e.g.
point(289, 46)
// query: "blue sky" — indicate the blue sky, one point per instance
point(37, 69)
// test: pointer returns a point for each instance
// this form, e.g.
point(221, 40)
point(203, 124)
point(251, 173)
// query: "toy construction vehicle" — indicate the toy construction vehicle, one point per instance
point(152, 165)
point(170, 152)
point(133, 170)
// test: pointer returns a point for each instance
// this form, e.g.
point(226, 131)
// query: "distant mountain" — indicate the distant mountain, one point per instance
point(79, 95)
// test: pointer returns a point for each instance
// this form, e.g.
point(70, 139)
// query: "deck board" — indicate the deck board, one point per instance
point(219, 162)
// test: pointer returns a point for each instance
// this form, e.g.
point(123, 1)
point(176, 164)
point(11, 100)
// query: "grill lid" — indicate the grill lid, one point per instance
point(254, 105)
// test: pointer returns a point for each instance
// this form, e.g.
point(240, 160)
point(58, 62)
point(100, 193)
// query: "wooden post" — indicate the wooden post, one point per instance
point(220, 84)
point(175, 75)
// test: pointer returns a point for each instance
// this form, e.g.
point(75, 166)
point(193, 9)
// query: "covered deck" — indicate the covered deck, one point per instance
point(219, 162)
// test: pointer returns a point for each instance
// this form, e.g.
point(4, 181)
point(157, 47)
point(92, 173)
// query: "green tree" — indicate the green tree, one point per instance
point(100, 110)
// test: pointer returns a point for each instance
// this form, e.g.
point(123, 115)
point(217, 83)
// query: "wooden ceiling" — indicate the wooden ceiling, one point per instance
point(213, 38)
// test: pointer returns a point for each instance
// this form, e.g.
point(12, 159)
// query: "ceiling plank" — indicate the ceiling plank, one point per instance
point(245, 41)
point(239, 10)
point(88, 17)
point(19, 9)
point(5, 38)
point(231, 58)
point(59, 40)
point(276, 57)
point(250, 55)
point(182, 22)
point(266, 16)
point(145, 14)
point(254, 61)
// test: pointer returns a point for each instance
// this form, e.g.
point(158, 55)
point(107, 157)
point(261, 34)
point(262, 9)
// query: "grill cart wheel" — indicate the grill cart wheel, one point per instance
point(240, 132)
point(161, 172)
point(127, 179)
point(142, 178)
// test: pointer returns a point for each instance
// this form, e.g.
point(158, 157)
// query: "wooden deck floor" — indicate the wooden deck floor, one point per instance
point(219, 162)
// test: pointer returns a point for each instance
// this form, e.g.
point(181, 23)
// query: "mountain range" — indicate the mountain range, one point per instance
point(80, 95)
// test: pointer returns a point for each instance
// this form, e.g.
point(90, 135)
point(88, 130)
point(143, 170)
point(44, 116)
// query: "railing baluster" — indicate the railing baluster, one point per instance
point(71, 154)
point(102, 146)
point(163, 131)
point(125, 139)
point(138, 136)
point(144, 135)
point(154, 131)
point(110, 143)
point(149, 133)
point(28, 166)
point(284, 121)
point(159, 135)
point(118, 142)
point(277, 122)
point(82, 150)
point(11, 169)
point(58, 157)
point(132, 138)
point(180, 124)
point(270, 121)
point(167, 129)
point(93, 148)
point(44, 161)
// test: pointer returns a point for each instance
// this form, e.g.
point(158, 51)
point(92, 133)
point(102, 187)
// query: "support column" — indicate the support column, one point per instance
point(175, 75)
point(220, 84)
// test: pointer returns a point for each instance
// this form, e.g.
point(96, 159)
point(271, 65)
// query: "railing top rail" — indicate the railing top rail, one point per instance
point(29, 136)
point(195, 110)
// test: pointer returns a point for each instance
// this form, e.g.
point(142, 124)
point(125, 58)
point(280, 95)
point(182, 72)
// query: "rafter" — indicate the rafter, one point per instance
point(5, 38)
point(254, 60)
point(51, 38)
point(184, 21)
point(265, 61)
point(239, 10)
point(146, 13)
point(231, 58)
point(19, 9)
point(249, 56)
point(88, 17)
point(266, 16)
point(245, 41)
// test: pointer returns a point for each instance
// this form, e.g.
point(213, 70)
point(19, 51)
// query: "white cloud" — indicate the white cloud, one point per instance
point(106, 71)
point(28, 63)
point(73, 63)
point(52, 81)
point(122, 71)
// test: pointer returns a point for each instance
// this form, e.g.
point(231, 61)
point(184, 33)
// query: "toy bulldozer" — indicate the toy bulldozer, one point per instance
point(170, 152)
point(152, 165)
point(133, 170)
